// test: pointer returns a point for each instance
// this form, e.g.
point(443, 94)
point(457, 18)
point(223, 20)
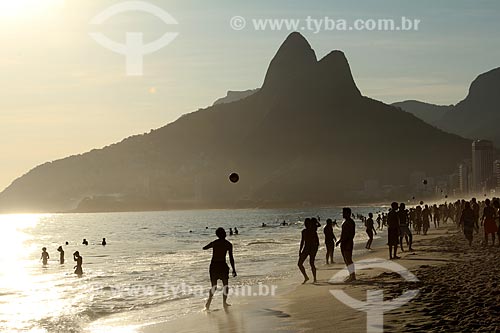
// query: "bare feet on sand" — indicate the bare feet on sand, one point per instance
point(305, 280)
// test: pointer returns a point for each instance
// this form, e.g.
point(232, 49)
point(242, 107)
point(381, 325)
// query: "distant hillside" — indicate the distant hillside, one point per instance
point(429, 113)
point(233, 96)
point(307, 137)
point(476, 117)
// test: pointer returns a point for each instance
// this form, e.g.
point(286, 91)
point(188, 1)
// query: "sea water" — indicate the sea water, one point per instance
point(153, 268)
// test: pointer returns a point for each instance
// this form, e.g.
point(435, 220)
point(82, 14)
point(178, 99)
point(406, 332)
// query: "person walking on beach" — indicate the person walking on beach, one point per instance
point(475, 209)
point(467, 222)
point(496, 204)
point(330, 240)
point(488, 219)
point(61, 255)
point(370, 229)
point(45, 256)
point(379, 221)
point(218, 266)
point(426, 219)
point(404, 228)
point(393, 231)
point(347, 242)
point(309, 244)
point(436, 215)
point(79, 261)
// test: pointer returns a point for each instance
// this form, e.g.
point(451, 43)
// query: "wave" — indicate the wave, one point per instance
point(263, 242)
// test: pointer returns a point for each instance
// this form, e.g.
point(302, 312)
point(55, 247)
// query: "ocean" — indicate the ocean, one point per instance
point(152, 270)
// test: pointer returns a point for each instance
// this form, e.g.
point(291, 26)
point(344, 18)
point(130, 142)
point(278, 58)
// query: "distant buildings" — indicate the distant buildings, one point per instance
point(464, 177)
point(483, 155)
point(496, 171)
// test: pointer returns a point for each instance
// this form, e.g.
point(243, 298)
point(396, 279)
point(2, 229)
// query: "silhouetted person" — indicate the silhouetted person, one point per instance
point(103, 243)
point(468, 222)
point(45, 256)
point(230, 231)
point(488, 219)
point(67, 243)
point(79, 261)
point(61, 255)
point(370, 229)
point(84, 242)
point(236, 231)
point(475, 209)
point(496, 204)
point(347, 242)
point(218, 266)
point(309, 244)
point(404, 228)
point(330, 240)
point(436, 216)
point(264, 225)
point(426, 219)
point(379, 221)
point(393, 231)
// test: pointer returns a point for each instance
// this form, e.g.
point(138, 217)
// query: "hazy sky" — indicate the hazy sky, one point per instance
point(61, 93)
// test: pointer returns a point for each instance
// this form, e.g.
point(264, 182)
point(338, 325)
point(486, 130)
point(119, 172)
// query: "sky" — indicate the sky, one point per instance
point(61, 93)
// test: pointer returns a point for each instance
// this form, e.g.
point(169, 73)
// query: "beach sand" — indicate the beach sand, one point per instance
point(458, 292)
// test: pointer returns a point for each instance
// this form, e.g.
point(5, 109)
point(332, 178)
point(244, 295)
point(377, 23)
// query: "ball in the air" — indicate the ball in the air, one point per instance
point(421, 202)
point(424, 181)
point(234, 177)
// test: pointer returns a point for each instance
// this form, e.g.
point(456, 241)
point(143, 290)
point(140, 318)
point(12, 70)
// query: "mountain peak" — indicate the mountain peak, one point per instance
point(294, 56)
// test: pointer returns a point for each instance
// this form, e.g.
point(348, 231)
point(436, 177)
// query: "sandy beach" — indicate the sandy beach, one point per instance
point(458, 292)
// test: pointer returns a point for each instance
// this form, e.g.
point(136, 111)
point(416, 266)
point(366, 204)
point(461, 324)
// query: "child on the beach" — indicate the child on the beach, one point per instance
point(45, 256)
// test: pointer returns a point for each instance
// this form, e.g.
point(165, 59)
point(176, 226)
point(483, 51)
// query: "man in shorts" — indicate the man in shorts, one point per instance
point(404, 228)
point(218, 266)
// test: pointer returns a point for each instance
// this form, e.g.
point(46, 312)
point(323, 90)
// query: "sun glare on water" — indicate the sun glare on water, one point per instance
point(18, 9)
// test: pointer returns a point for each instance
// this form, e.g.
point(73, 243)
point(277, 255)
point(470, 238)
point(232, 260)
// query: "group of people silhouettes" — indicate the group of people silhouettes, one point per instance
point(76, 256)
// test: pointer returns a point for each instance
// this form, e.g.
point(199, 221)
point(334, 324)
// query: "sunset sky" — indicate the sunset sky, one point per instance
point(61, 93)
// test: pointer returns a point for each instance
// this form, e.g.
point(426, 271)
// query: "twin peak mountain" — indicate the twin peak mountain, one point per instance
point(307, 137)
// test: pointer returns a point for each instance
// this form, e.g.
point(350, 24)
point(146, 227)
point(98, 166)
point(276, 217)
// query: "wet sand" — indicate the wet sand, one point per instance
point(458, 292)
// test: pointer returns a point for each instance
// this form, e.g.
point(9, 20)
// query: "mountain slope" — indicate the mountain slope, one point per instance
point(307, 136)
point(430, 113)
point(478, 115)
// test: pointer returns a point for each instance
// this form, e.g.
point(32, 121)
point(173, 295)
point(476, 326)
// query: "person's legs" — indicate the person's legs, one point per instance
point(390, 251)
point(350, 264)
point(225, 292)
point(312, 257)
point(302, 258)
point(211, 293)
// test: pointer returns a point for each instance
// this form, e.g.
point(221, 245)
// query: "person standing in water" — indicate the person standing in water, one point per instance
point(218, 266)
point(61, 255)
point(309, 244)
point(236, 231)
point(330, 240)
point(347, 242)
point(393, 231)
point(79, 261)
point(370, 229)
point(103, 243)
point(45, 256)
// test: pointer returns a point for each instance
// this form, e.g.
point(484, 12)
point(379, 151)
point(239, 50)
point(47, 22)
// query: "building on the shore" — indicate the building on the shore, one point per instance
point(482, 164)
point(496, 170)
point(464, 177)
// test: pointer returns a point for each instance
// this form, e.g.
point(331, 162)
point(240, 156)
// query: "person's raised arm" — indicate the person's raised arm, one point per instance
point(231, 259)
point(208, 246)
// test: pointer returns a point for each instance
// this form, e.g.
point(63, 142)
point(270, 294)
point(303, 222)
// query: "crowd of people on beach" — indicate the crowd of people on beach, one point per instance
point(399, 222)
